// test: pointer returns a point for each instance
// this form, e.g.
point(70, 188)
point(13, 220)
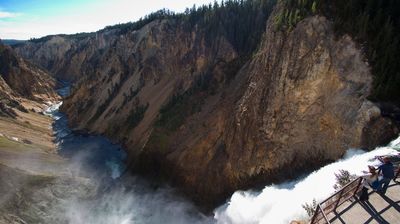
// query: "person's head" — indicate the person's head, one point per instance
point(372, 169)
point(386, 159)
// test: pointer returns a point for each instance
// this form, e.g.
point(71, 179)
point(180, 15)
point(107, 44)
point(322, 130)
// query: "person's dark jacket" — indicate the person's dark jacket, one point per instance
point(387, 170)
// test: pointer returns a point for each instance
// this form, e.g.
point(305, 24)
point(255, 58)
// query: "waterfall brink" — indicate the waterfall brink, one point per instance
point(133, 200)
point(282, 203)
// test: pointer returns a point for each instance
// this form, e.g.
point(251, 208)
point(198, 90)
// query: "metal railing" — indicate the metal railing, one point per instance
point(334, 201)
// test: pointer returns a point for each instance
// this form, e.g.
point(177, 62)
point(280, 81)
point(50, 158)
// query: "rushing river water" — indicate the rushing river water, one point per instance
point(134, 200)
point(121, 200)
point(282, 203)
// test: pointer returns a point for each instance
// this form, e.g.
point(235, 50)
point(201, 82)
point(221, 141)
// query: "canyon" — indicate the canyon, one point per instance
point(34, 180)
point(212, 115)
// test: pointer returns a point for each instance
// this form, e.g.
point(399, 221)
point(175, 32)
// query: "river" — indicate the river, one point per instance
point(130, 199)
point(121, 199)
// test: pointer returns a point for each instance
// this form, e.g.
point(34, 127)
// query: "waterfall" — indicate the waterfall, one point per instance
point(137, 201)
point(283, 202)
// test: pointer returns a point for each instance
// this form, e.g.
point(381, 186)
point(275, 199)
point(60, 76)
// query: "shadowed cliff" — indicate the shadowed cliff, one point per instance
point(215, 103)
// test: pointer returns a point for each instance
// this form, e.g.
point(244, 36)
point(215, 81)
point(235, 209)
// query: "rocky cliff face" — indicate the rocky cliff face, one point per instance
point(140, 74)
point(298, 103)
point(210, 120)
point(34, 181)
point(22, 83)
point(62, 56)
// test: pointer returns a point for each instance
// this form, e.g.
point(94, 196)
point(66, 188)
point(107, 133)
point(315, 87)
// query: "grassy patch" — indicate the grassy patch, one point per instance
point(6, 143)
point(27, 125)
point(14, 146)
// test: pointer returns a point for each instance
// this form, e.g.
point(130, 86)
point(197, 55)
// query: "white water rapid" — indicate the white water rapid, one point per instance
point(282, 203)
point(135, 201)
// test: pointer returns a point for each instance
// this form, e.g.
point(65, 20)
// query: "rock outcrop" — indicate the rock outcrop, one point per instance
point(207, 118)
point(22, 83)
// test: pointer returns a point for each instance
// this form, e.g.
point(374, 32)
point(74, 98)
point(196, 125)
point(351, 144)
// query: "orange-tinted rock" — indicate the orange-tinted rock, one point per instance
point(300, 101)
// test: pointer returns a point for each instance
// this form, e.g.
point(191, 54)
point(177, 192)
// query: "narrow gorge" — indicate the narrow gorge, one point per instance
point(225, 97)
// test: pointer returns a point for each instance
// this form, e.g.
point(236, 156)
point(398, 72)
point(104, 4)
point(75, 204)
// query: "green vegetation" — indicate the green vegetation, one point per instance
point(342, 179)
point(183, 105)
point(5, 143)
point(9, 145)
point(240, 22)
point(136, 115)
point(374, 24)
point(310, 207)
point(24, 125)
point(295, 11)
point(112, 93)
point(173, 115)
point(77, 36)
point(131, 26)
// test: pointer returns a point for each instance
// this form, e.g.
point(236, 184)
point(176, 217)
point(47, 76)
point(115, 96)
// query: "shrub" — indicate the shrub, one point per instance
point(342, 178)
point(310, 207)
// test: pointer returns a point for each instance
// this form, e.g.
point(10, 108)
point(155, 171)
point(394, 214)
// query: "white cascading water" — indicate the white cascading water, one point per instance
point(282, 203)
point(277, 204)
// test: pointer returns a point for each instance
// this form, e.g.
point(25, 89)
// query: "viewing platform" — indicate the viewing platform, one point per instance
point(378, 209)
point(345, 207)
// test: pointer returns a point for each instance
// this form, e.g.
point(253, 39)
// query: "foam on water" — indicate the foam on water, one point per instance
point(283, 202)
point(141, 203)
point(52, 109)
point(130, 201)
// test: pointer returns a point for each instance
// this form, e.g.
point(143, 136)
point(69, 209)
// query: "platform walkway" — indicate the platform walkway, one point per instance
point(345, 207)
point(382, 209)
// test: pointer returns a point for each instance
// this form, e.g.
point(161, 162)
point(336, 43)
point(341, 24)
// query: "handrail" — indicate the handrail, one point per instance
point(344, 187)
point(323, 213)
point(335, 200)
point(339, 197)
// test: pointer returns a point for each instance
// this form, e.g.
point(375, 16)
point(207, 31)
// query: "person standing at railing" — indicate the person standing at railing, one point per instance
point(387, 171)
point(369, 181)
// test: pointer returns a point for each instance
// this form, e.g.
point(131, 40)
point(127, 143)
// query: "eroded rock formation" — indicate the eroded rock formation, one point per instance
point(22, 83)
point(211, 120)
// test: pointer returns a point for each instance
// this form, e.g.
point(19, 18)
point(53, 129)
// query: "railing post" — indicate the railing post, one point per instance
point(325, 217)
point(338, 201)
point(358, 185)
point(317, 210)
point(315, 214)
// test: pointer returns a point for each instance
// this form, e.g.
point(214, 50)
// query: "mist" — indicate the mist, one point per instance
point(116, 198)
point(89, 185)
point(282, 203)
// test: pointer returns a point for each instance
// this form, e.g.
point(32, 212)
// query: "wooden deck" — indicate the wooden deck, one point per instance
point(378, 209)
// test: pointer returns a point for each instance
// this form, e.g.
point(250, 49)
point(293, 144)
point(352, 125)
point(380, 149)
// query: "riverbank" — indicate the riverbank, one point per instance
point(35, 182)
point(28, 138)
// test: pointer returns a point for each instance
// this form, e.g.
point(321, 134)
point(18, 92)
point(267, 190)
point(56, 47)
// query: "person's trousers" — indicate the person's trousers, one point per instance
point(383, 185)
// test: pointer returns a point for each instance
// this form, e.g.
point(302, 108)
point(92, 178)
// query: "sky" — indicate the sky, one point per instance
point(25, 19)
